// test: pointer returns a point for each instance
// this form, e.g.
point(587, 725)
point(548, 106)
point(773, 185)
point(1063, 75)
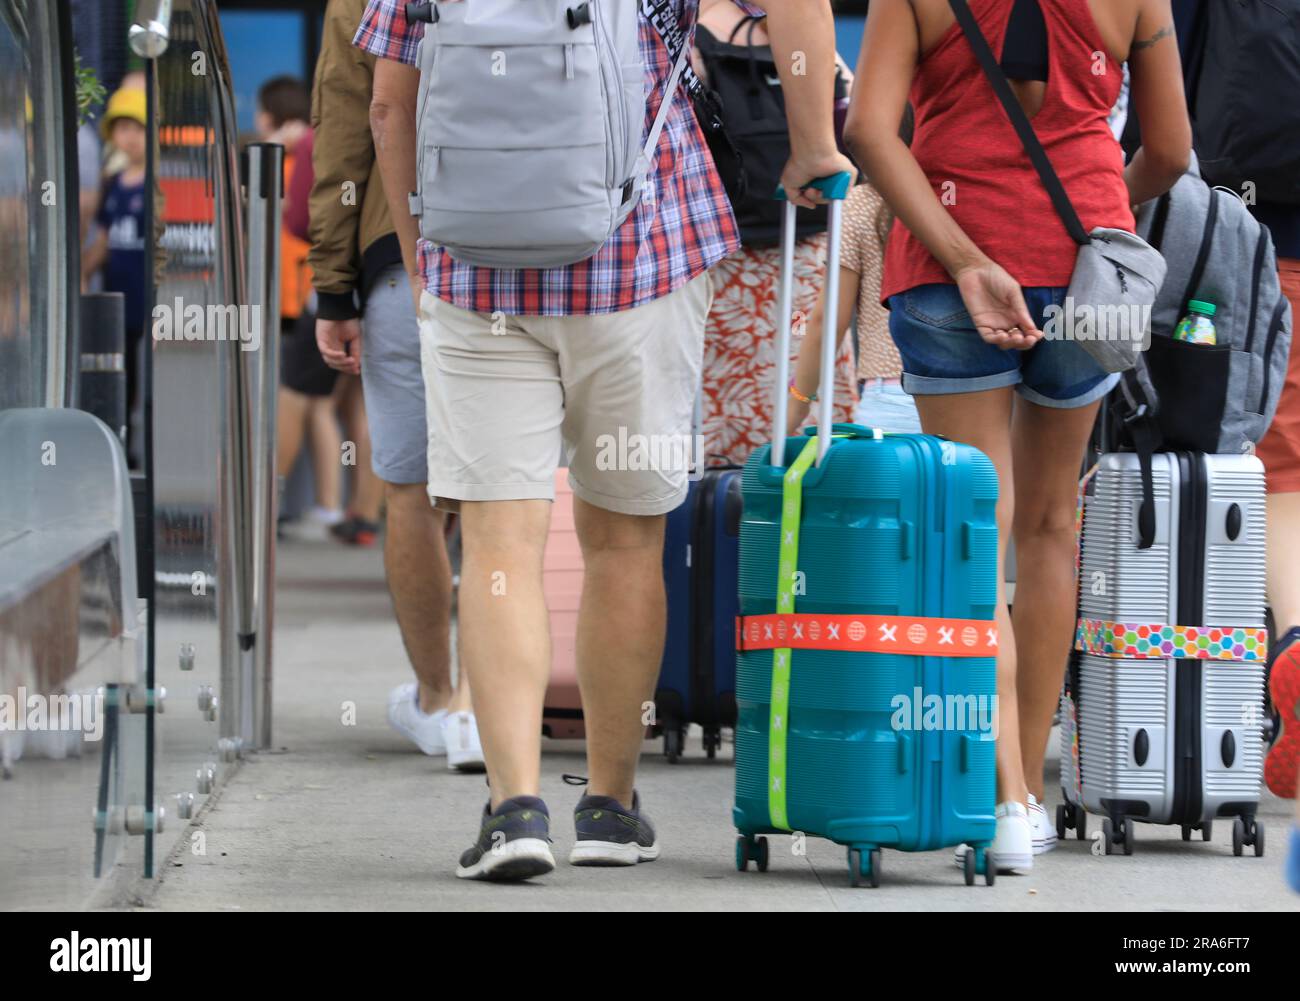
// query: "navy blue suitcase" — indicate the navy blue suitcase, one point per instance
point(697, 679)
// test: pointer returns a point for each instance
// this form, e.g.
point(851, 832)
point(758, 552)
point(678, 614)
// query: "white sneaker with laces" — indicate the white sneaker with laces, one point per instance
point(460, 737)
point(423, 729)
point(1044, 828)
point(1013, 844)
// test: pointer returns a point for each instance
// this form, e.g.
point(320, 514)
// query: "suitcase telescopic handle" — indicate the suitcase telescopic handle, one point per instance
point(836, 188)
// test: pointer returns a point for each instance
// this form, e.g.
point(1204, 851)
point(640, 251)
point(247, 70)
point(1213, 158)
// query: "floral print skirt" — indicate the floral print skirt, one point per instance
point(740, 341)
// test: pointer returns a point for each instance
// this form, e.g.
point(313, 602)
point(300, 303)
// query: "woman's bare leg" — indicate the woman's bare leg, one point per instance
point(984, 420)
point(1047, 445)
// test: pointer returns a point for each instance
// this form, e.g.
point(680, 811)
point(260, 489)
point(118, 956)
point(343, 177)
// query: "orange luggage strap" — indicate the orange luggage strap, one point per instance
point(902, 634)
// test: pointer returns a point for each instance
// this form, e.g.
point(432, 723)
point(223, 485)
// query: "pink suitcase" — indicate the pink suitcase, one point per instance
point(562, 584)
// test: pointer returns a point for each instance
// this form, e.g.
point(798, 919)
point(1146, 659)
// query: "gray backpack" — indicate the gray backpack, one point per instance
point(1218, 399)
point(529, 144)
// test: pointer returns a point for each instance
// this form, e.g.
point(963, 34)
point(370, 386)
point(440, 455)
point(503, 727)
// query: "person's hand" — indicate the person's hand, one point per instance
point(340, 344)
point(796, 417)
point(801, 171)
point(997, 306)
point(417, 291)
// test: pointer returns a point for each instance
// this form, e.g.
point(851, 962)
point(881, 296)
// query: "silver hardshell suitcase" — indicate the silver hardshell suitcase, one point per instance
point(1162, 709)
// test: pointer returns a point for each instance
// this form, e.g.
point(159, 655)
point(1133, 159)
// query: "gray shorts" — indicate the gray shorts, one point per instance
point(390, 376)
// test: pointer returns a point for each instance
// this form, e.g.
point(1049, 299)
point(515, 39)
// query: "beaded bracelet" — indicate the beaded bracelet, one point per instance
point(794, 391)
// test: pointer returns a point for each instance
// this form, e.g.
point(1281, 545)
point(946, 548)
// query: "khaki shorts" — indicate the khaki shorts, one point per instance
point(613, 395)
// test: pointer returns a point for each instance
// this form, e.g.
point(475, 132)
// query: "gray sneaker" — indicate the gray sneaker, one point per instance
point(513, 843)
point(609, 834)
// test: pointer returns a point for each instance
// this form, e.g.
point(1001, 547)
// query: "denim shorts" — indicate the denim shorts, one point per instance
point(886, 406)
point(943, 353)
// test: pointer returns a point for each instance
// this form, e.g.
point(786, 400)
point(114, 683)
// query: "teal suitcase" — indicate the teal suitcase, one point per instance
point(866, 646)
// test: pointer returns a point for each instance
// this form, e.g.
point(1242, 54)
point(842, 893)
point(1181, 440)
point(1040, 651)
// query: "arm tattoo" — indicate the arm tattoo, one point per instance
point(1146, 43)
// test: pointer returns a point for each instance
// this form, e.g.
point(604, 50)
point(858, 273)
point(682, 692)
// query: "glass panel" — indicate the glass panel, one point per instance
point(72, 752)
point(21, 360)
point(198, 659)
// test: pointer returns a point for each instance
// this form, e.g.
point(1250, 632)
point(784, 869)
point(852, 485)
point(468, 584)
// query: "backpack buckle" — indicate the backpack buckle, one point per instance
point(579, 15)
point(425, 12)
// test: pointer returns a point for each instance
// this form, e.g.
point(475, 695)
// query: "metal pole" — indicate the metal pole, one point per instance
point(150, 32)
point(830, 330)
point(784, 300)
point(264, 175)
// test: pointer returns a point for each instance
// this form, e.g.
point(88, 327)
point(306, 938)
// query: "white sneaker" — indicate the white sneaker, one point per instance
point(424, 729)
point(313, 526)
point(460, 737)
point(1044, 829)
point(1013, 844)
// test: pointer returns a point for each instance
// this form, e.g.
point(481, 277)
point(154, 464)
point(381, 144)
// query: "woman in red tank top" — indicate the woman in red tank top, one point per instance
point(977, 264)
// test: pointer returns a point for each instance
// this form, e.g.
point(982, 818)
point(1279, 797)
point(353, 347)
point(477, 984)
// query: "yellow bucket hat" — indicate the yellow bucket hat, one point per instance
point(125, 103)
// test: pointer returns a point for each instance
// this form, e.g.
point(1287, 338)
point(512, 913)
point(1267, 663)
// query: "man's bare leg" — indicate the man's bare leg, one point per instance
point(620, 639)
point(419, 580)
point(505, 637)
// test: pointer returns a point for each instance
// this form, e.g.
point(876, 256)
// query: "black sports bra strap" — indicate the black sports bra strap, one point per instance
point(748, 19)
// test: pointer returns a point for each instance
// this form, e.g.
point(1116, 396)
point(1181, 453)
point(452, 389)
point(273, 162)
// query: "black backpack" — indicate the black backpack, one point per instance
point(1243, 85)
point(743, 119)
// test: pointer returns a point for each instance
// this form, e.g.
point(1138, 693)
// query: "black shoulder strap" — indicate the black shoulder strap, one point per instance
point(1037, 155)
point(1136, 407)
point(662, 16)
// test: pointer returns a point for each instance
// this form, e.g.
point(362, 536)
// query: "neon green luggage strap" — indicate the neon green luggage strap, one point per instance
point(778, 723)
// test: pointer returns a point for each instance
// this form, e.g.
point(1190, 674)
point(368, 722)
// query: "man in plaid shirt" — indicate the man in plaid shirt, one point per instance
point(523, 365)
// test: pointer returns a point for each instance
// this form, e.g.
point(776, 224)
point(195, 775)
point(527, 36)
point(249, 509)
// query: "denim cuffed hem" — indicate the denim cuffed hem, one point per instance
point(928, 385)
point(1073, 403)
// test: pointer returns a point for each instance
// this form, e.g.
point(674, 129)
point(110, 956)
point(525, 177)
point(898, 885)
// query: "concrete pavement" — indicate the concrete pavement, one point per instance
point(350, 817)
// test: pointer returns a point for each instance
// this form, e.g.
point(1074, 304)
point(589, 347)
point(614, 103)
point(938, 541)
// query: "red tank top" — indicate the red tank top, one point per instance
point(978, 168)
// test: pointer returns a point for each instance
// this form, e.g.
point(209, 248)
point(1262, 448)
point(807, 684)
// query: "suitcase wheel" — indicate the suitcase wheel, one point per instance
point(864, 866)
point(1117, 835)
point(712, 741)
point(980, 860)
point(751, 848)
point(1247, 832)
point(1206, 828)
point(674, 744)
point(1070, 817)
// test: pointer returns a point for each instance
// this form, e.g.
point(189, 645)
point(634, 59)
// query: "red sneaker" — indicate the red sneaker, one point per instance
point(354, 531)
point(1283, 761)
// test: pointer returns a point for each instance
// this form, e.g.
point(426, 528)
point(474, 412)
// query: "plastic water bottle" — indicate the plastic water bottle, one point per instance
point(1197, 327)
